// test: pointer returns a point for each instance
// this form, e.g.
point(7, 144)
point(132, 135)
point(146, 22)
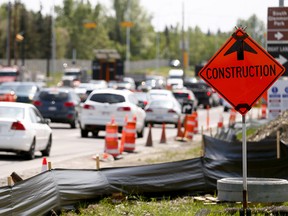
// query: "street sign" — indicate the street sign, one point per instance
point(241, 71)
point(277, 34)
point(277, 24)
point(90, 25)
point(127, 24)
point(187, 107)
point(280, 53)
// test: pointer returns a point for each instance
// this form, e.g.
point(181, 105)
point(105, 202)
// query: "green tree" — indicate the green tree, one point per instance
point(72, 17)
point(255, 28)
point(142, 35)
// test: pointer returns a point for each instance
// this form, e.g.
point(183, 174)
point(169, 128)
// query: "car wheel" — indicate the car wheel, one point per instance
point(73, 124)
point(46, 152)
point(30, 155)
point(141, 133)
point(84, 133)
point(95, 133)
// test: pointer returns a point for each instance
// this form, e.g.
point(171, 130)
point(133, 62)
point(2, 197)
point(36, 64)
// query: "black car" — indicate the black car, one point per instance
point(204, 93)
point(24, 91)
point(60, 105)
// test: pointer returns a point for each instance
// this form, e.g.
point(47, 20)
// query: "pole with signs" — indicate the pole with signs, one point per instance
point(233, 72)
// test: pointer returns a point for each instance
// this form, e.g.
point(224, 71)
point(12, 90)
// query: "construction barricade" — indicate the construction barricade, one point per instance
point(196, 122)
point(111, 139)
point(130, 136)
point(263, 111)
point(232, 117)
point(189, 127)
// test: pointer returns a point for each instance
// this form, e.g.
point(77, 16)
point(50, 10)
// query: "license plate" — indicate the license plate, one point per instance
point(105, 113)
point(52, 108)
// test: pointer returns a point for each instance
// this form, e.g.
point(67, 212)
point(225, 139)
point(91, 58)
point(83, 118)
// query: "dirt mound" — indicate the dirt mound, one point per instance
point(270, 129)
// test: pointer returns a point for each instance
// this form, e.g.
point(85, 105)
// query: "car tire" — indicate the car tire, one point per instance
point(84, 133)
point(46, 152)
point(141, 133)
point(95, 133)
point(30, 155)
point(73, 124)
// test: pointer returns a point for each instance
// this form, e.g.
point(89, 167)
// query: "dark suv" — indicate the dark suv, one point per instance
point(60, 105)
point(204, 93)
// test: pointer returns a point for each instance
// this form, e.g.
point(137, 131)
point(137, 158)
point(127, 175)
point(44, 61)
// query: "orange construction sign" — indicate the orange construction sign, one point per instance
point(241, 71)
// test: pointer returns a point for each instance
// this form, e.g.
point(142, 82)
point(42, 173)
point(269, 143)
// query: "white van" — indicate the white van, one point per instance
point(175, 77)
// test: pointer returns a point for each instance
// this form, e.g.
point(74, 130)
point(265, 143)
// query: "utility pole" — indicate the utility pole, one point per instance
point(183, 44)
point(15, 33)
point(8, 45)
point(128, 38)
point(53, 37)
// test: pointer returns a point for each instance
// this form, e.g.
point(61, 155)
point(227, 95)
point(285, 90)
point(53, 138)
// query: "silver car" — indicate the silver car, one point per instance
point(160, 111)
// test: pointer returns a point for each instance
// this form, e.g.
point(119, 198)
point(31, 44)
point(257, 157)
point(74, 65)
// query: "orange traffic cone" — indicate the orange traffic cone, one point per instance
point(263, 111)
point(221, 122)
point(44, 165)
point(232, 117)
point(121, 149)
point(149, 141)
point(163, 135)
point(180, 134)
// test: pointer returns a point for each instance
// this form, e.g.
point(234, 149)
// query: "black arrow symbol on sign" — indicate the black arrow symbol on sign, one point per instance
point(240, 46)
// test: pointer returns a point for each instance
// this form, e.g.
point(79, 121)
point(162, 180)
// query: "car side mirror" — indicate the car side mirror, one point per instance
point(47, 121)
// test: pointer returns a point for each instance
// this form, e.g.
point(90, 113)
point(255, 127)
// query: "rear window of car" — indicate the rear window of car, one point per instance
point(53, 96)
point(12, 112)
point(181, 95)
point(107, 98)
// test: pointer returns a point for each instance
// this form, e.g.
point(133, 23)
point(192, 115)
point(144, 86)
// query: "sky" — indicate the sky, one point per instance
point(207, 14)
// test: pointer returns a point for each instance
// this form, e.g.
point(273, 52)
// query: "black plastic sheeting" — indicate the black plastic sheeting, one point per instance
point(61, 188)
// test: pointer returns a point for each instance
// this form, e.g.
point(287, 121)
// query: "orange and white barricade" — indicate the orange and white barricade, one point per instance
point(220, 122)
point(232, 117)
point(111, 139)
point(189, 127)
point(196, 122)
point(263, 111)
point(130, 136)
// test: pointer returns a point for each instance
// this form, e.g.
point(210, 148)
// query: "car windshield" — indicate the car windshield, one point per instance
point(12, 112)
point(107, 98)
point(53, 96)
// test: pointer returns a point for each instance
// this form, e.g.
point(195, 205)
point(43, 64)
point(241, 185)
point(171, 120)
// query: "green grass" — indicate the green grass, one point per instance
point(181, 206)
point(133, 205)
point(139, 206)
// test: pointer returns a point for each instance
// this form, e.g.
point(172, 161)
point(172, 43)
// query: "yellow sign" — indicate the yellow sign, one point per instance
point(127, 24)
point(90, 25)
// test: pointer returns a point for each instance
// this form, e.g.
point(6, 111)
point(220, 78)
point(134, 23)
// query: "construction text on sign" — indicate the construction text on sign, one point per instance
point(241, 71)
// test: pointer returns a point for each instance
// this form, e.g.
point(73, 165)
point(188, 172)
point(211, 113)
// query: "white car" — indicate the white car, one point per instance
point(23, 130)
point(104, 104)
point(160, 111)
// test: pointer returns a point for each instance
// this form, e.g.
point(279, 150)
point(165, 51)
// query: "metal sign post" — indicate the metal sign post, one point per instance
point(244, 164)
